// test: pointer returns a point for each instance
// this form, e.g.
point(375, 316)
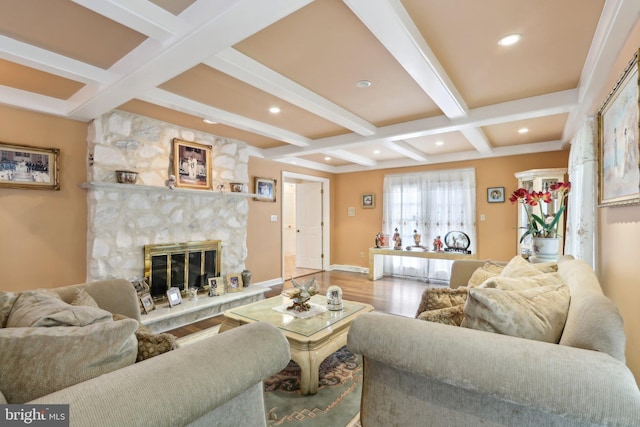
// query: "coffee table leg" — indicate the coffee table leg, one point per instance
point(308, 371)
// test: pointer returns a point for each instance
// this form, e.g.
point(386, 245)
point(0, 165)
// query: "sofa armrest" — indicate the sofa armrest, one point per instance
point(116, 295)
point(576, 383)
point(181, 386)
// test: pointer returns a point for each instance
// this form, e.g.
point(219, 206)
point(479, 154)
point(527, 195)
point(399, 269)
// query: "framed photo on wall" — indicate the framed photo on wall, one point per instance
point(495, 194)
point(265, 189)
point(24, 166)
point(368, 201)
point(618, 159)
point(192, 164)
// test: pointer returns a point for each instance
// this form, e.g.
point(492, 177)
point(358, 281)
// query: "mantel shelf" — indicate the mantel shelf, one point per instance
point(94, 185)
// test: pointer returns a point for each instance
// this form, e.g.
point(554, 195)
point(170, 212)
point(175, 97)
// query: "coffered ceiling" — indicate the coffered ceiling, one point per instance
point(441, 88)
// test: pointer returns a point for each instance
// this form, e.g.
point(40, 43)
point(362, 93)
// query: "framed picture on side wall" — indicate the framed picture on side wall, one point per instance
point(24, 166)
point(618, 159)
point(368, 201)
point(192, 164)
point(495, 194)
point(265, 189)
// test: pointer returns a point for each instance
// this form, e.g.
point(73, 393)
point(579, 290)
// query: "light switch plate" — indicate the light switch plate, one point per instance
point(274, 218)
point(351, 211)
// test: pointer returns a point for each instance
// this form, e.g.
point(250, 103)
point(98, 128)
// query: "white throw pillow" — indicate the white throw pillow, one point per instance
point(519, 267)
point(537, 313)
point(519, 283)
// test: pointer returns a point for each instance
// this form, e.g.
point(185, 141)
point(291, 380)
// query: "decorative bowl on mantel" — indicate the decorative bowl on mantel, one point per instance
point(126, 177)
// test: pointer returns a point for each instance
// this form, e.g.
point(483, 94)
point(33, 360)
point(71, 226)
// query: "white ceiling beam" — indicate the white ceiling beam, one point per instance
point(521, 109)
point(246, 69)
point(139, 15)
point(32, 101)
point(50, 62)
point(617, 20)
point(478, 139)
point(350, 157)
point(206, 27)
point(406, 150)
point(390, 23)
point(306, 164)
point(195, 108)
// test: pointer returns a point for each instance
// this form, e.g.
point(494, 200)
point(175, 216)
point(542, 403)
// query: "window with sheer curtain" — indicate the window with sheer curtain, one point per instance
point(432, 203)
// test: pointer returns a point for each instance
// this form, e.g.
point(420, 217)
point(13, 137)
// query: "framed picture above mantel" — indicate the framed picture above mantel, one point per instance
point(25, 166)
point(192, 164)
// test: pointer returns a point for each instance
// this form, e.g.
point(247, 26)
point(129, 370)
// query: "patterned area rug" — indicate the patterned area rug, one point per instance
point(336, 404)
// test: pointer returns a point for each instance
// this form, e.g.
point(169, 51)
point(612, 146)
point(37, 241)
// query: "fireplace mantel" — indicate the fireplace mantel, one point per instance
point(94, 185)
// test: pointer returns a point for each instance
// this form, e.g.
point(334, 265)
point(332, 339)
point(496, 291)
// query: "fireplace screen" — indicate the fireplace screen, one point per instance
point(181, 265)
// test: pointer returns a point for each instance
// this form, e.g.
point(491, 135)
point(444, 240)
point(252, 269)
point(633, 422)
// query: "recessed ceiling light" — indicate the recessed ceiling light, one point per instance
point(363, 84)
point(327, 158)
point(209, 122)
point(439, 143)
point(274, 110)
point(376, 151)
point(509, 40)
point(523, 130)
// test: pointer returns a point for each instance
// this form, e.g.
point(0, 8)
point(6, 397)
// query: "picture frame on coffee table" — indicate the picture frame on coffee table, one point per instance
point(216, 286)
point(192, 164)
point(28, 167)
point(234, 282)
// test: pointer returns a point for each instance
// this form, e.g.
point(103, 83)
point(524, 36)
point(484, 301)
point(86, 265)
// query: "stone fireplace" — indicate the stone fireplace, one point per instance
point(123, 218)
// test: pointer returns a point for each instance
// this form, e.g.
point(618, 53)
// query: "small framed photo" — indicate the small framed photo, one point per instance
point(368, 201)
point(495, 194)
point(234, 282)
point(265, 189)
point(216, 286)
point(147, 303)
point(192, 164)
point(174, 297)
point(24, 166)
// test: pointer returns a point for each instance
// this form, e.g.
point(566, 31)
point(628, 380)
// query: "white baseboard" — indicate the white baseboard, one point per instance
point(350, 268)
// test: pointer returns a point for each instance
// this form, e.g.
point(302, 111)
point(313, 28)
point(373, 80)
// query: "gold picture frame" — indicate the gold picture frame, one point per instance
point(234, 282)
point(265, 189)
point(25, 166)
point(368, 201)
point(216, 286)
point(618, 141)
point(192, 164)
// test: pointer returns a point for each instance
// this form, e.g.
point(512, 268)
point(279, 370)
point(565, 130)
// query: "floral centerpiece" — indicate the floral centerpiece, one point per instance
point(542, 225)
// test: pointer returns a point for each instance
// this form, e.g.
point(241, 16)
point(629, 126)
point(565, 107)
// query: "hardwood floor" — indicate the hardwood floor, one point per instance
point(389, 294)
point(290, 269)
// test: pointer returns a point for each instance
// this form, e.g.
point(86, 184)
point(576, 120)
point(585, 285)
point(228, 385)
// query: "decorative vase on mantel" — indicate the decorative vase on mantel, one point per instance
point(545, 249)
point(246, 278)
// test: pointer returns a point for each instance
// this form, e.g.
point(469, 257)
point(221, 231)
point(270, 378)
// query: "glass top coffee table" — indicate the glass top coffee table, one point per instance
point(311, 339)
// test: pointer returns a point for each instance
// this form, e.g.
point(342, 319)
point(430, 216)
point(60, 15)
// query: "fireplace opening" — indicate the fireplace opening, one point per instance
point(181, 265)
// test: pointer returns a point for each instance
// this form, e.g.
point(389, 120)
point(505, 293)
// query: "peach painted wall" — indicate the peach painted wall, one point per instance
point(619, 269)
point(264, 238)
point(496, 237)
point(42, 232)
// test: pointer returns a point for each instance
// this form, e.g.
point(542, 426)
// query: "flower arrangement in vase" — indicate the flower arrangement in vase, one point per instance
point(542, 225)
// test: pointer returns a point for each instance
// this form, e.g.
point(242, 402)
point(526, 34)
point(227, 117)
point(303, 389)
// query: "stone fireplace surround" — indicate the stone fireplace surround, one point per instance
point(122, 218)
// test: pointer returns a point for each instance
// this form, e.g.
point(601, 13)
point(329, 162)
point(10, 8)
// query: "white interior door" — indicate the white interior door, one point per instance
point(309, 225)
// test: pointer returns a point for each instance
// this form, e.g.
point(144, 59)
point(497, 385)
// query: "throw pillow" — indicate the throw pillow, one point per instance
point(519, 283)
point(7, 299)
point(449, 316)
point(150, 344)
point(519, 267)
point(45, 308)
point(537, 313)
point(82, 297)
point(546, 267)
point(37, 361)
point(436, 298)
point(488, 270)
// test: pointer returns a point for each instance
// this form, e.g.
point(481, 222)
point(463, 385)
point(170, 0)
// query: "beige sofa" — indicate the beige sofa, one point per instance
point(213, 382)
point(419, 373)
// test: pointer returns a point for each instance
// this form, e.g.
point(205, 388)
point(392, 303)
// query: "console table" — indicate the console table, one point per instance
point(376, 258)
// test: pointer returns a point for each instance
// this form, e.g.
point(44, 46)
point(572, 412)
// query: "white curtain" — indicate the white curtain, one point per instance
point(432, 204)
point(582, 220)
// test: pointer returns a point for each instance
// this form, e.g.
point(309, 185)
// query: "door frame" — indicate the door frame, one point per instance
point(326, 217)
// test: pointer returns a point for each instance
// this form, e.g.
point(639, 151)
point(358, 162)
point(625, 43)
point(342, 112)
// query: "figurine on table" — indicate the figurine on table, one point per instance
point(397, 239)
point(437, 244)
point(378, 240)
point(416, 237)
